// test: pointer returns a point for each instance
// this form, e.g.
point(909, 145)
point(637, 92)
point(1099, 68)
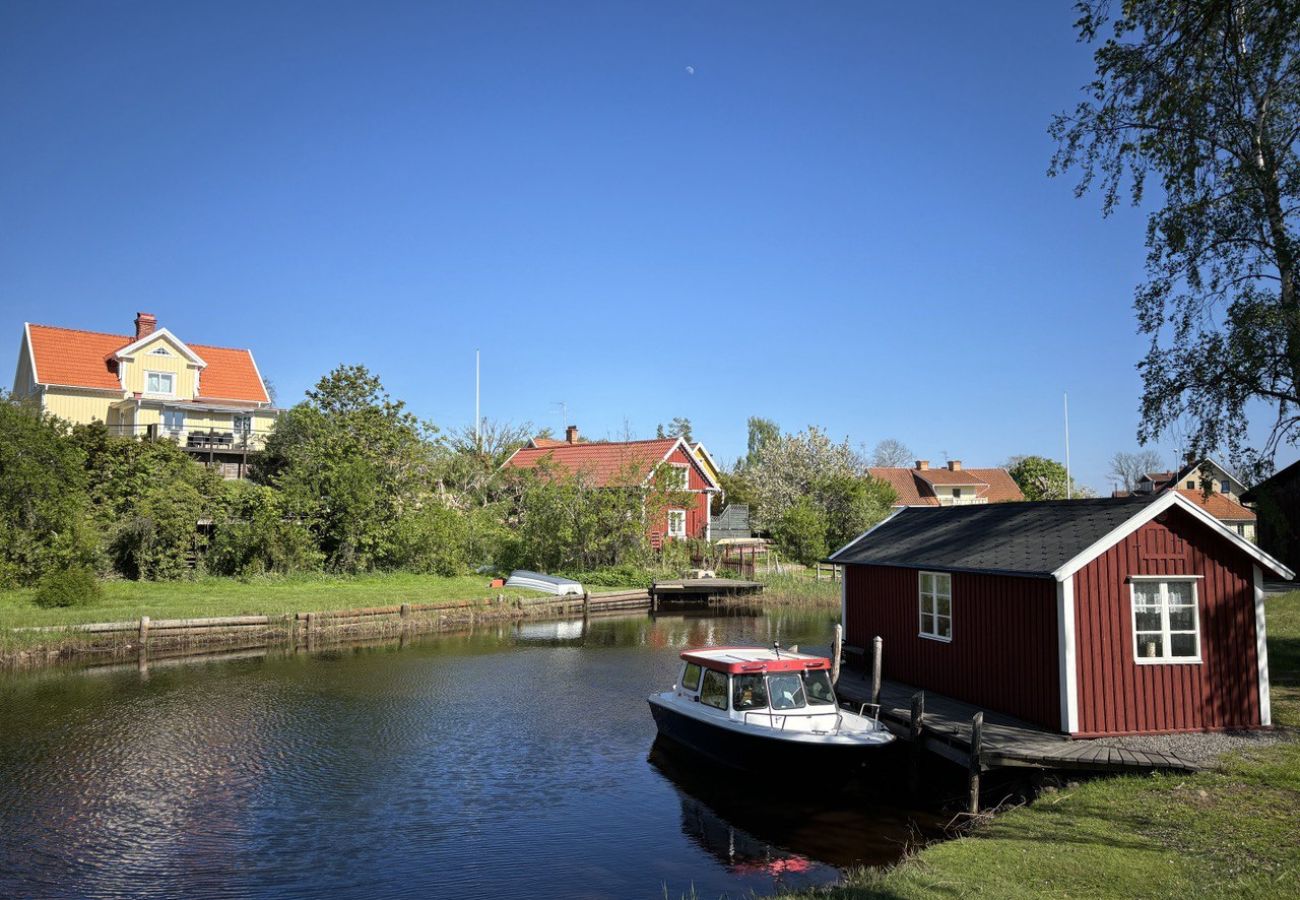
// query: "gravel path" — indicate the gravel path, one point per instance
point(1202, 749)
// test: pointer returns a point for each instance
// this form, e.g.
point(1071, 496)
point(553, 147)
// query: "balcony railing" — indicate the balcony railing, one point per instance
point(199, 440)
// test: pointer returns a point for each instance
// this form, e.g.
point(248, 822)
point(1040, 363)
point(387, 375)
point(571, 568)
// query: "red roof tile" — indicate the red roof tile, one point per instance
point(68, 356)
point(607, 462)
point(913, 486)
point(1221, 506)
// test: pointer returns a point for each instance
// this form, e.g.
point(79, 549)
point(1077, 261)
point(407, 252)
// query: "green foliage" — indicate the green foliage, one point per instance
point(761, 431)
point(431, 540)
point(680, 427)
point(355, 462)
point(1205, 98)
point(64, 588)
point(1040, 478)
point(788, 467)
point(625, 575)
point(852, 505)
point(737, 488)
point(42, 497)
point(159, 535)
point(800, 533)
point(260, 535)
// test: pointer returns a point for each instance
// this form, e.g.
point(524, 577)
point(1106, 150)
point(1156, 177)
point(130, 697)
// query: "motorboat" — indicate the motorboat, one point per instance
point(755, 707)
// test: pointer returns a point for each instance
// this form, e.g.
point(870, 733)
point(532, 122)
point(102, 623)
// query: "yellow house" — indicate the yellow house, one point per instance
point(705, 459)
point(210, 400)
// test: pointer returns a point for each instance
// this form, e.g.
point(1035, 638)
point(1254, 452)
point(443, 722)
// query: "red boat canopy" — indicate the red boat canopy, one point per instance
point(741, 660)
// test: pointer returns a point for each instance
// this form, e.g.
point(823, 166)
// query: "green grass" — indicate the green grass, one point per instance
point(1229, 832)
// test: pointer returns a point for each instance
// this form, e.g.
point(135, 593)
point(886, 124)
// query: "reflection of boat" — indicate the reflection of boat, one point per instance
point(548, 584)
point(738, 850)
point(752, 708)
point(561, 630)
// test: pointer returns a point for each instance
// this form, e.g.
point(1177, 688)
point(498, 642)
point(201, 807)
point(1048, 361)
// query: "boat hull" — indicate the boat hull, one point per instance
point(754, 751)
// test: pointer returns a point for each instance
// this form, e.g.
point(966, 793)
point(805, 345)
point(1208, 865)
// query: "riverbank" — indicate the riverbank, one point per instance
point(1226, 832)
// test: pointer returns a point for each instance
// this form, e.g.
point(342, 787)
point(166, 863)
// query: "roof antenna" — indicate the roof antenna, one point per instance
point(776, 648)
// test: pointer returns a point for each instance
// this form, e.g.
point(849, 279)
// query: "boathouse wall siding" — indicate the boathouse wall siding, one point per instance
point(1003, 653)
point(1117, 695)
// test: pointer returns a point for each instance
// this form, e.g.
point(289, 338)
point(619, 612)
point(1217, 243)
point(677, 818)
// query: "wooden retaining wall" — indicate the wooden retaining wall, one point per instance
point(145, 635)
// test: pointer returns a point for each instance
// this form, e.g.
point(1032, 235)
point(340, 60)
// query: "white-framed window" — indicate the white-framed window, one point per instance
point(1191, 485)
point(242, 424)
point(935, 606)
point(159, 383)
point(679, 478)
point(173, 419)
point(677, 523)
point(1225, 487)
point(159, 351)
point(1166, 620)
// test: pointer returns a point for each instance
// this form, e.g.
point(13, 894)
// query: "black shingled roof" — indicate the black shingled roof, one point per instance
point(1033, 539)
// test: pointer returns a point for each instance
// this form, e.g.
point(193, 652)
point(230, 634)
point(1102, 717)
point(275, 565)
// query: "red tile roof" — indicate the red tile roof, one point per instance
point(608, 462)
point(68, 356)
point(1221, 506)
point(913, 486)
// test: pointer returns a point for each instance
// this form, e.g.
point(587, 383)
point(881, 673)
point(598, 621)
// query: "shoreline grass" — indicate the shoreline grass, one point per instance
point(1227, 832)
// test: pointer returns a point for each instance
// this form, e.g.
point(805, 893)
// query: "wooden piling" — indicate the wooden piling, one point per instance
point(918, 714)
point(877, 651)
point(144, 630)
point(837, 649)
point(976, 740)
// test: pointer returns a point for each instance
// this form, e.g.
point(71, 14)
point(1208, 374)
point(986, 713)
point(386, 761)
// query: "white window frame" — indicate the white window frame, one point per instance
point(172, 413)
point(1165, 632)
point(672, 514)
point(235, 427)
point(159, 351)
point(685, 484)
point(934, 595)
point(171, 380)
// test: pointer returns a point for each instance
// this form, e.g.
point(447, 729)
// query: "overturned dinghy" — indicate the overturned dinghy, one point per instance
point(549, 584)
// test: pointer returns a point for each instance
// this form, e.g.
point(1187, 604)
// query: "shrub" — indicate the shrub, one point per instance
point(73, 586)
point(801, 532)
point(260, 536)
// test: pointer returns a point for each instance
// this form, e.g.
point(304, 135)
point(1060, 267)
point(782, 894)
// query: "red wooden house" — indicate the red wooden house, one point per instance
point(1091, 617)
point(610, 463)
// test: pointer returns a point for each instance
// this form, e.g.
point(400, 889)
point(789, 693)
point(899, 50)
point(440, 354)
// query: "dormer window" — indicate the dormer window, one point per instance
point(160, 383)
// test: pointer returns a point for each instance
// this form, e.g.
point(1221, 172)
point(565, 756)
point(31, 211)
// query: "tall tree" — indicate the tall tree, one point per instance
point(790, 466)
point(891, 453)
point(1204, 97)
point(680, 427)
point(760, 432)
point(1040, 478)
point(1128, 468)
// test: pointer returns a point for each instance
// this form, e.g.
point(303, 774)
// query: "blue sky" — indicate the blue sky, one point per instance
point(841, 218)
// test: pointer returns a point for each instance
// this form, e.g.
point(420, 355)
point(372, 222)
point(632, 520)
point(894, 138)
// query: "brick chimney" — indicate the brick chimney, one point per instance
point(922, 465)
point(145, 323)
point(571, 434)
point(954, 465)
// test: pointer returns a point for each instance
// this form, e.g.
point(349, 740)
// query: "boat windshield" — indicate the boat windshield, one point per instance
point(817, 684)
point(748, 692)
point(786, 691)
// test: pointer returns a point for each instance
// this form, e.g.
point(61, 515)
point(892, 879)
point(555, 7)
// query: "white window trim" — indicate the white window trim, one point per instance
point(671, 532)
point(173, 412)
point(1164, 620)
point(920, 631)
point(169, 375)
point(685, 468)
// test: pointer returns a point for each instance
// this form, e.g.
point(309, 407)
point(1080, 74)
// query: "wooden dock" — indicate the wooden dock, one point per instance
point(945, 728)
point(698, 589)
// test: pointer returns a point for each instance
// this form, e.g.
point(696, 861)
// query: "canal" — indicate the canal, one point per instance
point(516, 760)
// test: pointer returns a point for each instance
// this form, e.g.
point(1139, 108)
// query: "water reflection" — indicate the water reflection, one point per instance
point(504, 760)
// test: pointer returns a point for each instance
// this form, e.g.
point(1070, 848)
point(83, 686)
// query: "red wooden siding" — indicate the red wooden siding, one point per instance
point(697, 515)
point(1116, 694)
point(1003, 653)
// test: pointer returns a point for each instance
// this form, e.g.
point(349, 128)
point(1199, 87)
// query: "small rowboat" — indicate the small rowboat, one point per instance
point(753, 707)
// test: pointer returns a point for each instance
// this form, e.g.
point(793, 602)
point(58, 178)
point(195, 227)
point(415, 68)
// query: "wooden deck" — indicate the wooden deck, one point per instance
point(697, 589)
point(1006, 741)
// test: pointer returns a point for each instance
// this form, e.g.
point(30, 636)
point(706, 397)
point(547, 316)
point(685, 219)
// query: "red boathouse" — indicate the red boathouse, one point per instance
point(1091, 617)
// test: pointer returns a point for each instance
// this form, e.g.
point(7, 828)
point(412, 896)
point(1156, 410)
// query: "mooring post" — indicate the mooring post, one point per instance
point(406, 614)
point(877, 650)
point(144, 631)
point(311, 628)
point(918, 714)
point(837, 648)
point(586, 604)
point(976, 740)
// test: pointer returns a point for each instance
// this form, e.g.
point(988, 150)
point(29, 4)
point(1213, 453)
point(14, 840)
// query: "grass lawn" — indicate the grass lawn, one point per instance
point(125, 600)
point(1231, 832)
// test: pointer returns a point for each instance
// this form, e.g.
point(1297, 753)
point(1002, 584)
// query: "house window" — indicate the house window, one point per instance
point(936, 606)
point(159, 351)
point(1224, 487)
point(1165, 621)
point(956, 493)
point(677, 523)
point(680, 479)
point(243, 425)
point(159, 383)
point(1191, 485)
point(173, 419)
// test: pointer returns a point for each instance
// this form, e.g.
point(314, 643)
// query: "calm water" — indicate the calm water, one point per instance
point(513, 761)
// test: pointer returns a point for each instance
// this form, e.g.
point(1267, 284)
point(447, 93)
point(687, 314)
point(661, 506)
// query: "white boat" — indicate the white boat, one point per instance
point(549, 584)
point(753, 707)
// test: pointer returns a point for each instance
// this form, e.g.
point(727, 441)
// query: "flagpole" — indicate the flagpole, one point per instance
point(1068, 482)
